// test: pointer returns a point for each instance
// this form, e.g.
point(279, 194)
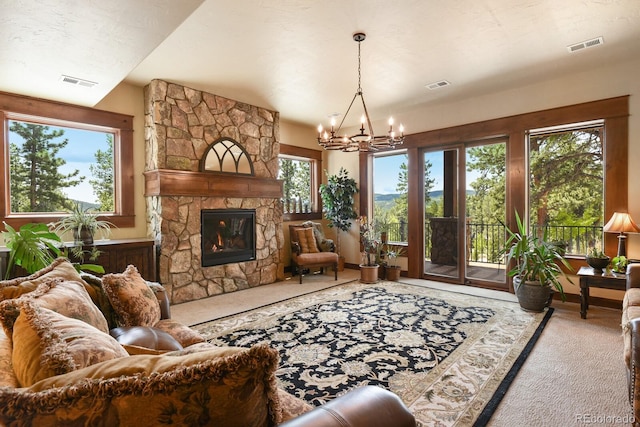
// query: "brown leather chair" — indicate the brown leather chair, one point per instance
point(307, 253)
point(366, 406)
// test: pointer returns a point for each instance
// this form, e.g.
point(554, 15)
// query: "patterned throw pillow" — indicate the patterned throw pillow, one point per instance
point(60, 268)
point(227, 386)
point(131, 298)
point(46, 343)
point(307, 240)
point(69, 298)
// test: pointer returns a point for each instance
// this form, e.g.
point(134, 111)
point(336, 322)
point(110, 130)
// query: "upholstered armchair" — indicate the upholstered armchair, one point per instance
point(310, 249)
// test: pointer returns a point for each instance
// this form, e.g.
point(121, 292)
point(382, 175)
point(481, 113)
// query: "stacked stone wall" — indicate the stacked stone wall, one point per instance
point(180, 124)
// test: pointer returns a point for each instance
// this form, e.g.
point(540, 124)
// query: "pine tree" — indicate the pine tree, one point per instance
point(102, 172)
point(35, 175)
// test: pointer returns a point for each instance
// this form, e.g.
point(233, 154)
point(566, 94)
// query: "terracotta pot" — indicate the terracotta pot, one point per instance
point(340, 263)
point(393, 273)
point(369, 273)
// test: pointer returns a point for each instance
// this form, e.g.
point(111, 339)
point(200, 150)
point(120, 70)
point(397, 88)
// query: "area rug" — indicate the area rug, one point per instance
point(448, 356)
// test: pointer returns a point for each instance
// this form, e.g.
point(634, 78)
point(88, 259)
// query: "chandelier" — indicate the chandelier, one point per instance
point(365, 140)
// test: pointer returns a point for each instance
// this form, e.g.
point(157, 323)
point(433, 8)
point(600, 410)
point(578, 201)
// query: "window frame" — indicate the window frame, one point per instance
point(57, 113)
point(315, 158)
point(614, 112)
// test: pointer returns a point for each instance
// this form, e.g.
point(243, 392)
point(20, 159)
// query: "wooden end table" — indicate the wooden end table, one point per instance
point(589, 279)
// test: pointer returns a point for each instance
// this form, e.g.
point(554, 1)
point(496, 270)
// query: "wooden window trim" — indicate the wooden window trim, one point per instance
point(124, 215)
point(614, 112)
point(315, 156)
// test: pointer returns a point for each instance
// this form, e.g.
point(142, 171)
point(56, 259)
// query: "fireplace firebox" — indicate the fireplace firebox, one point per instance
point(228, 235)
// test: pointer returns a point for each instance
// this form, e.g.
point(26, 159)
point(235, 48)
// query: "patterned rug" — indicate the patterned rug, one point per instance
point(449, 356)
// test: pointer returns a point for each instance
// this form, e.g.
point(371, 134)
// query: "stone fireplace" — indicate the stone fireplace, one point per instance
point(181, 124)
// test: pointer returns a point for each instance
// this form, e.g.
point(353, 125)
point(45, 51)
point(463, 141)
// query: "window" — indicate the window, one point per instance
point(52, 168)
point(390, 195)
point(299, 169)
point(566, 185)
point(57, 154)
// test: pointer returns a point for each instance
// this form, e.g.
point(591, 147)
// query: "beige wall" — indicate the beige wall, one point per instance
point(605, 82)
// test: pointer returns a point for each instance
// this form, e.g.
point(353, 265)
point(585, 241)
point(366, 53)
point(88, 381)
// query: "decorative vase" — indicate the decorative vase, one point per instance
point(532, 296)
point(369, 273)
point(84, 237)
point(393, 273)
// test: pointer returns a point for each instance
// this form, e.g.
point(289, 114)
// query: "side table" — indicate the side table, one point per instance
point(589, 279)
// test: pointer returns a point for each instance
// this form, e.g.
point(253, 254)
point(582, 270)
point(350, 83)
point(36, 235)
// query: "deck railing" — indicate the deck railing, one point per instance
point(486, 241)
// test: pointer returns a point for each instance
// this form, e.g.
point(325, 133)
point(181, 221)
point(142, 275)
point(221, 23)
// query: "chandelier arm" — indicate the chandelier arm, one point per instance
point(347, 113)
point(366, 114)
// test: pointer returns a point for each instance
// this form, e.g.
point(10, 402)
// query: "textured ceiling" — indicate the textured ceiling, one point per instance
point(298, 57)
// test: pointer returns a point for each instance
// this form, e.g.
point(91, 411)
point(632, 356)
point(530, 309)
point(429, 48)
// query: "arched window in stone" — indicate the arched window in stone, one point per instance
point(226, 155)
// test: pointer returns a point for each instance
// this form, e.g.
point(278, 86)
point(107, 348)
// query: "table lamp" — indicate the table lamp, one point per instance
point(621, 223)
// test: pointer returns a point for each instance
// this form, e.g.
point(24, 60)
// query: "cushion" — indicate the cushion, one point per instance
point(307, 240)
point(60, 268)
point(131, 298)
point(145, 336)
point(222, 386)
point(183, 334)
point(46, 343)
point(7, 376)
point(69, 298)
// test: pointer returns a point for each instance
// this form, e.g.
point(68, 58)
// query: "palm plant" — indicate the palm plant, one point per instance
point(32, 247)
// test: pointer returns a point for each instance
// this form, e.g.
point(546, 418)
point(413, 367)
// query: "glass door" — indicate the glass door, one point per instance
point(441, 219)
point(485, 207)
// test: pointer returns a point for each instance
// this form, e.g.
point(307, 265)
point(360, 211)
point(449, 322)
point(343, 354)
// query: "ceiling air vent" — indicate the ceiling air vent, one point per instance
point(77, 81)
point(585, 44)
point(437, 85)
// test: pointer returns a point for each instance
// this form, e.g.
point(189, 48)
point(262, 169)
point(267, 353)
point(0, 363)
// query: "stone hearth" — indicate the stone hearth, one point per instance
point(180, 124)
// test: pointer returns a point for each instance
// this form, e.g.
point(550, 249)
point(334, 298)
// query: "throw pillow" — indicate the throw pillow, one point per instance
point(222, 386)
point(46, 343)
point(307, 241)
point(69, 298)
point(60, 268)
point(182, 333)
point(131, 298)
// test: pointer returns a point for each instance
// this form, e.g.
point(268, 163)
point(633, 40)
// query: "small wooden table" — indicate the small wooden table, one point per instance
point(589, 279)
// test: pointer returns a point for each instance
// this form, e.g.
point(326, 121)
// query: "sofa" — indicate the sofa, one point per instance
point(631, 337)
point(79, 350)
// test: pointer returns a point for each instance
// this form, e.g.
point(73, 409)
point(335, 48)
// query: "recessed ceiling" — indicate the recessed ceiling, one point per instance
point(299, 58)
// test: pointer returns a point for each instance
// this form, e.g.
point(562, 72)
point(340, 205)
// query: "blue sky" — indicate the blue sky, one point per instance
point(79, 154)
point(386, 168)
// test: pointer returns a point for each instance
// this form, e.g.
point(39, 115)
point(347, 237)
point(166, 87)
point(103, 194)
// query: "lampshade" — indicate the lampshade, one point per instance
point(621, 222)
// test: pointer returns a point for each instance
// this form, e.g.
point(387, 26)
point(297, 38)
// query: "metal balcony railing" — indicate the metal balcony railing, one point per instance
point(486, 241)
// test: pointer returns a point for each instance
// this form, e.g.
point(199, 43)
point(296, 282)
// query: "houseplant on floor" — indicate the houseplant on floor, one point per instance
point(337, 205)
point(393, 269)
point(537, 267)
point(31, 247)
point(370, 250)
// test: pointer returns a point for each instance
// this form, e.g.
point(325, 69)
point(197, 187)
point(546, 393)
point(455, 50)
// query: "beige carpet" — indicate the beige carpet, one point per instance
point(574, 375)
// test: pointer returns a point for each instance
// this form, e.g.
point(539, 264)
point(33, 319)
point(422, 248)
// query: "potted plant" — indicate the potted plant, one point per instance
point(370, 248)
point(619, 264)
point(597, 260)
point(393, 269)
point(83, 224)
point(537, 267)
point(32, 247)
point(338, 205)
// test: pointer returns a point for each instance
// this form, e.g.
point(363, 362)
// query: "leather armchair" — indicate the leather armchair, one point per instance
point(366, 406)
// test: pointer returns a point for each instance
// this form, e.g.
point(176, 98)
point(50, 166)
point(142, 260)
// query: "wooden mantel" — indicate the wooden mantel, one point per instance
point(168, 182)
